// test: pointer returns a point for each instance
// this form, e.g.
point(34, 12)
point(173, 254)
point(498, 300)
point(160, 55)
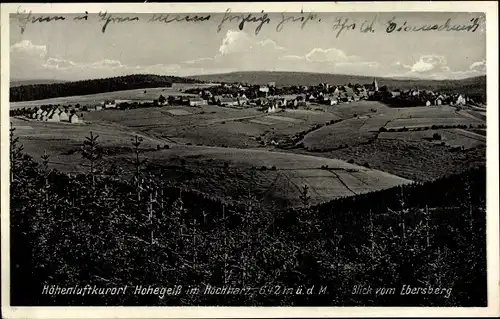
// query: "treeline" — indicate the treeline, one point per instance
point(99, 228)
point(85, 87)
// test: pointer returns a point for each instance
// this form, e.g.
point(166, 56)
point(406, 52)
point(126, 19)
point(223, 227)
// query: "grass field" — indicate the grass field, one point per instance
point(450, 137)
point(290, 173)
point(365, 126)
point(414, 160)
point(208, 137)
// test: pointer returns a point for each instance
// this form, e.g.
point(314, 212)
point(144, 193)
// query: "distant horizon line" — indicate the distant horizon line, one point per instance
point(256, 71)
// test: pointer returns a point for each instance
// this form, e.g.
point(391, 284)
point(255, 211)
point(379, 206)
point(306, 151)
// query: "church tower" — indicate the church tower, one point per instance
point(375, 85)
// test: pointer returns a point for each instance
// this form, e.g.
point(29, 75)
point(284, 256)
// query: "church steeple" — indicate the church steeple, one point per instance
point(375, 85)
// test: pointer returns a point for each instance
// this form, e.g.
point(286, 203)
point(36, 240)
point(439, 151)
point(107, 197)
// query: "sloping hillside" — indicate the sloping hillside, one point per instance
point(475, 87)
point(85, 87)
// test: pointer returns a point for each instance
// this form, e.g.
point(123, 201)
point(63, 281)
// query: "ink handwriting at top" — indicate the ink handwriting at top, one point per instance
point(166, 18)
point(243, 18)
point(341, 25)
point(24, 19)
point(304, 19)
point(393, 26)
point(107, 18)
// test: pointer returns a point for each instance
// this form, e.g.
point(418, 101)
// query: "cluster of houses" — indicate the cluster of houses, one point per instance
point(433, 98)
point(57, 113)
point(54, 114)
point(269, 97)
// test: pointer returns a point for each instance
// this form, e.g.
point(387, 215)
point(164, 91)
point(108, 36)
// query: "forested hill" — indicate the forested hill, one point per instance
point(84, 87)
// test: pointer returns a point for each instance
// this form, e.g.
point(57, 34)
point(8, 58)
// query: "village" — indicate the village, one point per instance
point(266, 98)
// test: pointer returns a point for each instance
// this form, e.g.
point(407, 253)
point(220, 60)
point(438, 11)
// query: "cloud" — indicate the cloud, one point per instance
point(240, 51)
point(435, 67)
point(479, 66)
point(331, 55)
point(242, 42)
point(105, 64)
point(198, 61)
point(29, 60)
point(27, 47)
point(430, 62)
point(292, 58)
point(235, 42)
point(54, 63)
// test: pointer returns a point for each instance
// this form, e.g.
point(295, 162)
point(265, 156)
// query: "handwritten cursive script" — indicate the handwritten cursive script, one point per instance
point(296, 18)
point(24, 19)
point(393, 26)
point(243, 18)
point(108, 18)
point(166, 18)
point(343, 24)
point(339, 26)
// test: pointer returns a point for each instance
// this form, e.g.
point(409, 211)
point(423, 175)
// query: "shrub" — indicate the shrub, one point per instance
point(351, 161)
point(382, 129)
point(436, 136)
point(166, 146)
point(366, 164)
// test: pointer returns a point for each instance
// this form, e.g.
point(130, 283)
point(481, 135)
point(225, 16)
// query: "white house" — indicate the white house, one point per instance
point(74, 118)
point(242, 101)
point(228, 101)
point(272, 109)
point(460, 100)
point(197, 101)
point(109, 104)
point(63, 116)
point(264, 89)
point(428, 103)
point(53, 117)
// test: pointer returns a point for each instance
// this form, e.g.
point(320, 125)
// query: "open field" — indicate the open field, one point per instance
point(428, 122)
point(365, 127)
point(290, 171)
point(450, 137)
point(285, 174)
point(212, 125)
point(132, 95)
point(410, 159)
point(211, 148)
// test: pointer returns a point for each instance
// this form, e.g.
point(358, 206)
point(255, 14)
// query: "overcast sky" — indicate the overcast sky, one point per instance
point(73, 50)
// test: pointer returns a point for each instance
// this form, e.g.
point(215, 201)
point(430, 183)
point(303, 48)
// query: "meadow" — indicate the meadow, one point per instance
point(231, 141)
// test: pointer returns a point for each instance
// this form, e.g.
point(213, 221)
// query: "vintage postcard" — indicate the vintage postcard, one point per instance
point(249, 160)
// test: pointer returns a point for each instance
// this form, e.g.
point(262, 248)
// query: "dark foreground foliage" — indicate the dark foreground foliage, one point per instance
point(100, 229)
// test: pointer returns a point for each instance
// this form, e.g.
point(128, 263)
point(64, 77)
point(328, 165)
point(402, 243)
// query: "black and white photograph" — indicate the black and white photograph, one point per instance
point(253, 156)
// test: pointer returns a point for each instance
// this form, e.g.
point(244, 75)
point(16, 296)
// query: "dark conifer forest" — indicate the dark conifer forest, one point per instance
point(98, 228)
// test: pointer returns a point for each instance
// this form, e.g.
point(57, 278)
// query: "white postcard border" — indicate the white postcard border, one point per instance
point(491, 10)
